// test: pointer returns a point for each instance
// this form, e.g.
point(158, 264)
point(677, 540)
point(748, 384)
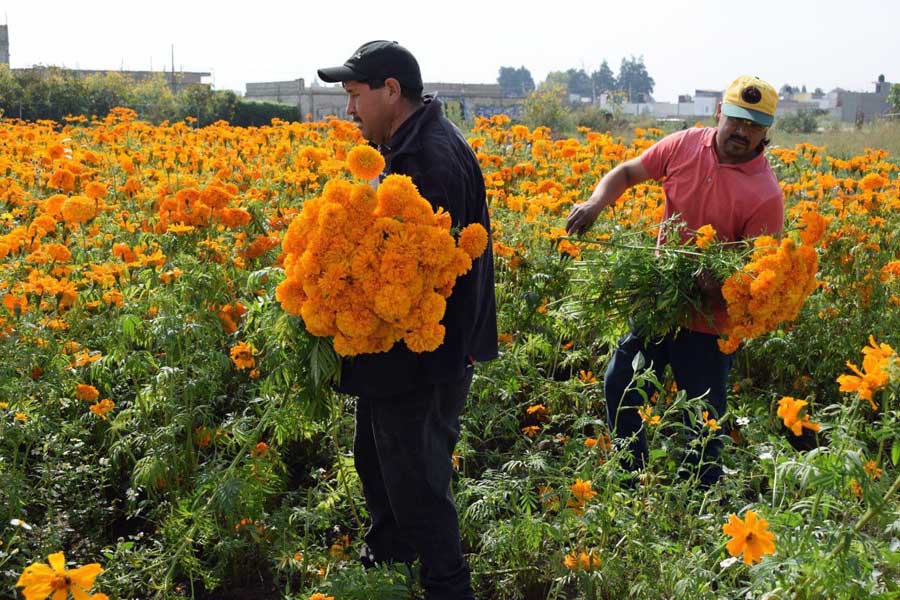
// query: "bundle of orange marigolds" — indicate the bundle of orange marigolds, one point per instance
point(773, 286)
point(370, 268)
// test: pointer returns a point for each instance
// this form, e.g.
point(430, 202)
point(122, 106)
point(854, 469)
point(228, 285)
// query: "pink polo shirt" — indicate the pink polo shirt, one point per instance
point(740, 201)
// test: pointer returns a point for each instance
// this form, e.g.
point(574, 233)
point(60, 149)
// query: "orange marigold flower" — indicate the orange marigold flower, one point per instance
point(63, 179)
point(242, 355)
point(706, 235)
point(78, 209)
point(582, 490)
point(473, 240)
point(86, 392)
point(365, 162)
point(101, 408)
point(749, 536)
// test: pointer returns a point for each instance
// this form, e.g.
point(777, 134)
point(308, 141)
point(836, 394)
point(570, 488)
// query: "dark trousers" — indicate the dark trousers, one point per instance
point(699, 367)
point(402, 451)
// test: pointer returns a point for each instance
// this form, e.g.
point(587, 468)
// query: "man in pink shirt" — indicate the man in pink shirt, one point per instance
point(711, 176)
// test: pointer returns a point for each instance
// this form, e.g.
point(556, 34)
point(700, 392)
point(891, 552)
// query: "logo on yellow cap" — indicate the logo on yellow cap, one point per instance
point(751, 98)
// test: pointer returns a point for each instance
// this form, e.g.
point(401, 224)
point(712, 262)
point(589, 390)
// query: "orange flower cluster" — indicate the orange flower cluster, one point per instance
point(372, 268)
point(583, 561)
point(875, 373)
point(769, 290)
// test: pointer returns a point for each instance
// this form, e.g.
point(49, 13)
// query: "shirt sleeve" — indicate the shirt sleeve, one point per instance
point(656, 158)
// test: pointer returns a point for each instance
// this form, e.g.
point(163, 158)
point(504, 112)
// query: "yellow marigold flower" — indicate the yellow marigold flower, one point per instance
point(86, 392)
point(750, 537)
point(706, 235)
point(39, 580)
point(242, 355)
point(789, 411)
point(365, 162)
point(473, 240)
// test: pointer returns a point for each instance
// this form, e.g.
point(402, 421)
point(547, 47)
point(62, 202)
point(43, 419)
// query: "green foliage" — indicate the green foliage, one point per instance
point(634, 80)
point(547, 106)
point(256, 114)
point(515, 82)
point(54, 93)
point(802, 121)
point(894, 97)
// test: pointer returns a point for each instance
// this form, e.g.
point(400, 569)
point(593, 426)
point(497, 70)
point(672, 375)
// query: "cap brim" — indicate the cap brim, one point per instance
point(739, 112)
point(339, 74)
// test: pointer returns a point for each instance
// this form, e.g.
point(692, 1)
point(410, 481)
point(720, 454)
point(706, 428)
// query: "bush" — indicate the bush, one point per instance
point(802, 121)
point(547, 106)
point(255, 114)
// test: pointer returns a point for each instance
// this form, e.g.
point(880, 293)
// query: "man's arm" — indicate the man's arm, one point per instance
point(611, 186)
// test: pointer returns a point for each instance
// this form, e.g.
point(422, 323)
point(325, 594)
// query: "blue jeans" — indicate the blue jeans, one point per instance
point(402, 450)
point(699, 368)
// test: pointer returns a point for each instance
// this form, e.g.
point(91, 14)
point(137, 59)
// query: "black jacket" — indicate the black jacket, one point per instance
point(432, 151)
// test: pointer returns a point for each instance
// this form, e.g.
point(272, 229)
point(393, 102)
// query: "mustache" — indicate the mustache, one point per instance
point(357, 120)
point(739, 138)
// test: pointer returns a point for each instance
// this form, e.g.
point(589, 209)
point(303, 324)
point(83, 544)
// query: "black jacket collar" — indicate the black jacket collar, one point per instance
point(406, 139)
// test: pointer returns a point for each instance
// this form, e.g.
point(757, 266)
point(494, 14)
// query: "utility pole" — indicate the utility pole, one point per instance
point(173, 68)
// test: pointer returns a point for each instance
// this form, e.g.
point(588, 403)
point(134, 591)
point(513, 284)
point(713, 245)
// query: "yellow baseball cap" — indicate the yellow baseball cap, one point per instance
point(751, 98)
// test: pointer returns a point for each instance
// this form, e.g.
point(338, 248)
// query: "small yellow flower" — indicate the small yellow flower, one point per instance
point(647, 416)
point(713, 424)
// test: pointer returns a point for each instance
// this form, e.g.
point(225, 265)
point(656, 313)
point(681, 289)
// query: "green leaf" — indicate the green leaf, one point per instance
point(895, 452)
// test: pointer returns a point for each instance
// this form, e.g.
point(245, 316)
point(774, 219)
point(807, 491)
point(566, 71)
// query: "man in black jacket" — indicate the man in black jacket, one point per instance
point(407, 415)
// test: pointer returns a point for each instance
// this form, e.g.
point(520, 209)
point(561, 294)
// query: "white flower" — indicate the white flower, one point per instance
point(743, 421)
point(728, 562)
point(20, 523)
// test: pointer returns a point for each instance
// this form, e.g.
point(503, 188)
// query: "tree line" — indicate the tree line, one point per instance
point(54, 93)
point(633, 81)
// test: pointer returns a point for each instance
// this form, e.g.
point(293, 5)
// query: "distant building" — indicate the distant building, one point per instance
point(860, 107)
point(467, 99)
point(177, 80)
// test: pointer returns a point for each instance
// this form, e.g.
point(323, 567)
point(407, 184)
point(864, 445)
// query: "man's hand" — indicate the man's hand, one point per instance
point(711, 289)
point(582, 217)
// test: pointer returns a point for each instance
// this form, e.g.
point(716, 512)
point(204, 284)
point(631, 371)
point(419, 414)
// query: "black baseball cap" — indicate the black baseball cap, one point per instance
point(377, 61)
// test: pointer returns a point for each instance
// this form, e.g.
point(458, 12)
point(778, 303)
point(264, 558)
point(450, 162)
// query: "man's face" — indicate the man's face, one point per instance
point(738, 139)
point(370, 109)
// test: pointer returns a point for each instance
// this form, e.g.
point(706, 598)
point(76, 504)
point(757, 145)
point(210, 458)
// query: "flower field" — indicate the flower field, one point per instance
point(168, 427)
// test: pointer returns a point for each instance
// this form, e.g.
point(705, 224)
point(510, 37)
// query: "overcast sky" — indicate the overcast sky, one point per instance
point(685, 45)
